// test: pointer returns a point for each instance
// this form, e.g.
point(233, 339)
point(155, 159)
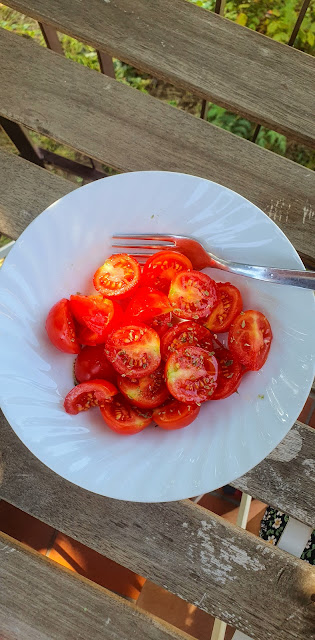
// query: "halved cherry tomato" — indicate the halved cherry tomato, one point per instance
point(192, 295)
point(60, 327)
point(229, 306)
point(191, 374)
point(229, 376)
point(175, 415)
point(250, 338)
point(92, 364)
point(185, 334)
point(134, 350)
point(98, 314)
point(162, 267)
point(121, 417)
point(146, 304)
point(147, 392)
point(118, 276)
point(162, 323)
point(93, 393)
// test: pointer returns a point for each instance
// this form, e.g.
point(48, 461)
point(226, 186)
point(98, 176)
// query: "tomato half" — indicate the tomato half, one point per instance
point(118, 276)
point(147, 392)
point(162, 267)
point(121, 417)
point(134, 350)
point(161, 323)
point(93, 393)
point(175, 415)
point(60, 327)
point(229, 306)
point(229, 376)
point(192, 295)
point(90, 338)
point(191, 374)
point(98, 314)
point(91, 364)
point(250, 338)
point(188, 334)
point(146, 304)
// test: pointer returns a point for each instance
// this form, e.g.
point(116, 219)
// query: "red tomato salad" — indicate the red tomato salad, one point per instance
point(146, 342)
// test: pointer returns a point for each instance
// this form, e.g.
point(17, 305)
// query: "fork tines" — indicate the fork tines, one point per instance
point(136, 244)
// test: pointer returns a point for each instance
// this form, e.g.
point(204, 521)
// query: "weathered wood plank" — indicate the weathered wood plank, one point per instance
point(132, 131)
point(25, 191)
point(285, 479)
point(39, 600)
point(181, 546)
point(197, 50)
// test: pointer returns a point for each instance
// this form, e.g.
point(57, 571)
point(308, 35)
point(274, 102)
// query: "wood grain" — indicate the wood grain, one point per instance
point(39, 600)
point(197, 50)
point(25, 191)
point(285, 479)
point(132, 131)
point(180, 546)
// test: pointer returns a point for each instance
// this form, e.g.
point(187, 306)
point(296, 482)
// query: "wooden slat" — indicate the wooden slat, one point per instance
point(285, 479)
point(213, 57)
point(39, 600)
point(129, 130)
point(25, 191)
point(181, 546)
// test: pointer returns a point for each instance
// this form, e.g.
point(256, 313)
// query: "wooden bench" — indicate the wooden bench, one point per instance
point(261, 590)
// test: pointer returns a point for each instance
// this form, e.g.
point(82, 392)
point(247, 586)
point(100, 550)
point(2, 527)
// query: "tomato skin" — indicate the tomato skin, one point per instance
point(191, 374)
point(160, 269)
point(118, 276)
point(91, 364)
point(186, 333)
point(134, 350)
point(175, 415)
point(146, 304)
point(147, 392)
point(229, 306)
point(60, 327)
point(123, 418)
point(250, 338)
point(192, 295)
point(229, 376)
point(93, 393)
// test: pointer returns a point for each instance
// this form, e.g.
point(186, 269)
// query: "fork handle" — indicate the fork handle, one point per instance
point(303, 279)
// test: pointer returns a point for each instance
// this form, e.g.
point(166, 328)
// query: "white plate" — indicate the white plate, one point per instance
point(57, 255)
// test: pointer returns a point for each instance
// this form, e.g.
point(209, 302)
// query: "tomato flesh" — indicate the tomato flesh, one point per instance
point(160, 269)
point(121, 417)
point(188, 334)
point(134, 350)
point(118, 276)
point(229, 306)
point(250, 338)
point(93, 393)
point(146, 304)
point(175, 415)
point(147, 392)
point(91, 364)
point(60, 327)
point(98, 314)
point(191, 374)
point(192, 295)
point(229, 376)
point(161, 323)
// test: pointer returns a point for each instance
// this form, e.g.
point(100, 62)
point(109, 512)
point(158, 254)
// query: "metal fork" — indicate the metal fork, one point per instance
point(142, 246)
